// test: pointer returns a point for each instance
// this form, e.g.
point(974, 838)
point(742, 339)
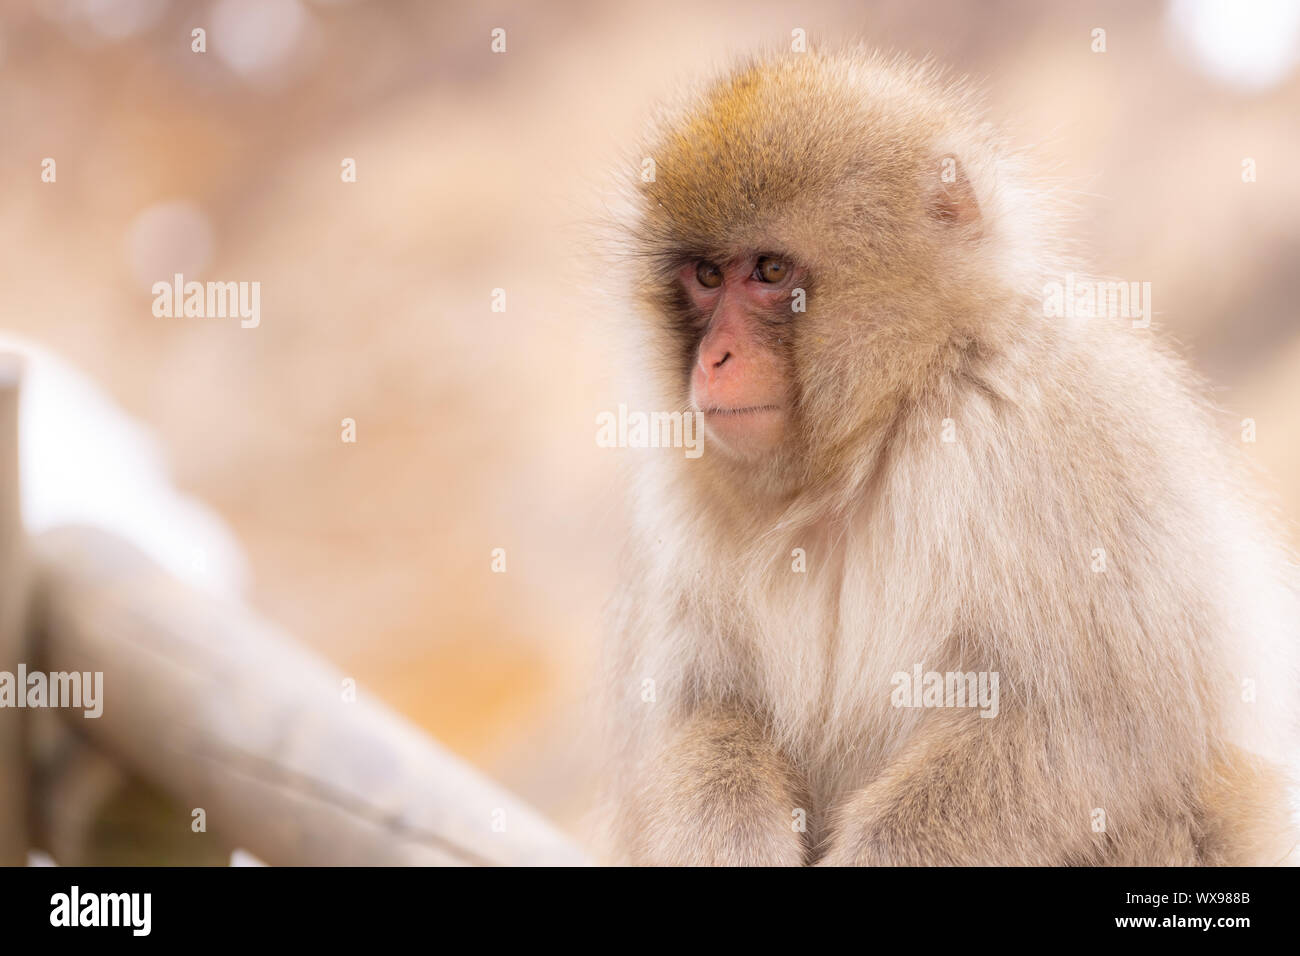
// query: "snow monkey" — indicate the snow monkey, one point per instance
point(960, 577)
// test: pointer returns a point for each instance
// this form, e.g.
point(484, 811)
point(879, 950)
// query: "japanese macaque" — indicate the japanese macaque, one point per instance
point(960, 577)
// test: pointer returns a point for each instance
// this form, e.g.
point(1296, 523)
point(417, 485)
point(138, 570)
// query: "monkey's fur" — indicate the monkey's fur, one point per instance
point(1146, 710)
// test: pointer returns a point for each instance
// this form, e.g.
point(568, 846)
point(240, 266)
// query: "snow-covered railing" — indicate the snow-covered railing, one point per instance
point(245, 730)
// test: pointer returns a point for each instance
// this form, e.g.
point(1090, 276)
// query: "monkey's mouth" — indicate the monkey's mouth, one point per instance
point(746, 430)
point(747, 410)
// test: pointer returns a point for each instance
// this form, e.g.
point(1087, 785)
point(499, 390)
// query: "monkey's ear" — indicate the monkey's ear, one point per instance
point(953, 201)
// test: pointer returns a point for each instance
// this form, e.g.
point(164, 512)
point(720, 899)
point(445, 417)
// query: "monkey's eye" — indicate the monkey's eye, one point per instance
point(708, 275)
point(771, 269)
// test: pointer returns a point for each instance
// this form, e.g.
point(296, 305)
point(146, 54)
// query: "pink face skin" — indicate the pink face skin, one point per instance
point(739, 380)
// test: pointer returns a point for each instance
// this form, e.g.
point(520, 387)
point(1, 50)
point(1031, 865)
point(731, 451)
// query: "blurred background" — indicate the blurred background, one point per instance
point(478, 171)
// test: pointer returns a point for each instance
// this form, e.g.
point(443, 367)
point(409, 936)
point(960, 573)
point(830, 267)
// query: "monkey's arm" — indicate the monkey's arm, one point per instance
point(967, 791)
point(718, 792)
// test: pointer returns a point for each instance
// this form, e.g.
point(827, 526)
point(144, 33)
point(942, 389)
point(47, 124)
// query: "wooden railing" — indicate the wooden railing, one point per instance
point(247, 733)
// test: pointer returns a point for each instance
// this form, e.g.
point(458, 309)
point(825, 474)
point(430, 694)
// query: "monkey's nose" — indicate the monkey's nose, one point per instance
point(710, 362)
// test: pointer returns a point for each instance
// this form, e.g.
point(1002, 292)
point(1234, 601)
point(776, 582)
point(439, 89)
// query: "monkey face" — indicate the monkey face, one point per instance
point(739, 379)
point(759, 195)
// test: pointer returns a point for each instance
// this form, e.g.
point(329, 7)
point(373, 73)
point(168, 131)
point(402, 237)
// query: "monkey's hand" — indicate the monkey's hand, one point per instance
point(720, 794)
point(967, 791)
